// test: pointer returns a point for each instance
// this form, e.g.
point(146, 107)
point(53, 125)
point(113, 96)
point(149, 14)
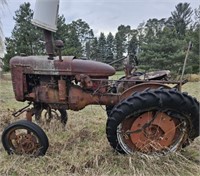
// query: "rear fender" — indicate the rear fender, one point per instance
point(141, 87)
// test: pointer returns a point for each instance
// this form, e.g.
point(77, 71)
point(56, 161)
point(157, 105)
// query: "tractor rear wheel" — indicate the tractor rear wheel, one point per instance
point(153, 121)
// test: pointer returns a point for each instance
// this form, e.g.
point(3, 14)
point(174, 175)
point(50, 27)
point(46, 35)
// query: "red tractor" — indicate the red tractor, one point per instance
point(144, 113)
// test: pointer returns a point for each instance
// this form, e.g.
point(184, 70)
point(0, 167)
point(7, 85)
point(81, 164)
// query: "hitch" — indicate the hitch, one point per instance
point(20, 111)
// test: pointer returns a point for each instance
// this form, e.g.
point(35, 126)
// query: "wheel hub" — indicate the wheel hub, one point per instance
point(27, 143)
point(158, 135)
point(24, 143)
point(153, 132)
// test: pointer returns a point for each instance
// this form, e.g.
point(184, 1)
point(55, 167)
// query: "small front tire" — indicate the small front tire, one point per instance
point(24, 138)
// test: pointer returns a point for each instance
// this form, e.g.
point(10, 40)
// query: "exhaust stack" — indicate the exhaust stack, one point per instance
point(45, 16)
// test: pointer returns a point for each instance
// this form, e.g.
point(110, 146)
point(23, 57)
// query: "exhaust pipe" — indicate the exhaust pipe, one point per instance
point(45, 16)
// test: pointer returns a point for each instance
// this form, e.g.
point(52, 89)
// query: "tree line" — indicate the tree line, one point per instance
point(158, 43)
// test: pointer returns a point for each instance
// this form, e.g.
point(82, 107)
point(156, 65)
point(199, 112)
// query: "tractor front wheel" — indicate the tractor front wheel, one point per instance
point(25, 137)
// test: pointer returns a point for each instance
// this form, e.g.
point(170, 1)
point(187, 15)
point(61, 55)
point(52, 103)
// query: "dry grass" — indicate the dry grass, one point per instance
point(193, 77)
point(81, 148)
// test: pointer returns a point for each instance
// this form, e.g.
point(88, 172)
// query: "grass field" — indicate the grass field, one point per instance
point(81, 148)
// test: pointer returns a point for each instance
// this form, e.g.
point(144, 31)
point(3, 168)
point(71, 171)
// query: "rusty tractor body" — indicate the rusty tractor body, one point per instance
point(71, 83)
point(145, 114)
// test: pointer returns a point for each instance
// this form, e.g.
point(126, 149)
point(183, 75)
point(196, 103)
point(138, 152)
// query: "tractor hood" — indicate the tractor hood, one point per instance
point(68, 66)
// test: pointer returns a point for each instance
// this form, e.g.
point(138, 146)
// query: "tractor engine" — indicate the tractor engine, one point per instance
point(58, 82)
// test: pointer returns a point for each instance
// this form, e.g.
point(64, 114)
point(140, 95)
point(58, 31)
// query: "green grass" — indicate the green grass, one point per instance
point(81, 148)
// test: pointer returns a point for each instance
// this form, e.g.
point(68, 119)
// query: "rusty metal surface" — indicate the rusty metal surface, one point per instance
point(59, 43)
point(141, 87)
point(157, 136)
point(148, 133)
point(18, 82)
point(78, 98)
point(23, 141)
point(29, 114)
point(72, 83)
point(69, 66)
point(49, 43)
point(41, 66)
point(92, 68)
point(131, 80)
point(154, 75)
point(62, 90)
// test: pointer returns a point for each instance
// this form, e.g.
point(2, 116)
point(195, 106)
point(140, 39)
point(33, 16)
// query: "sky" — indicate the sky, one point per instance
point(101, 15)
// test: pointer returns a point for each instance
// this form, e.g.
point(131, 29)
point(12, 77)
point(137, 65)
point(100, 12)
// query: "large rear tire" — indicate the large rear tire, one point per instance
point(153, 121)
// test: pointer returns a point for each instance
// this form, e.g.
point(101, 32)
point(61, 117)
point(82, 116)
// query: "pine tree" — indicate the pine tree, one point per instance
point(61, 33)
point(133, 43)
point(94, 52)
point(182, 18)
point(72, 44)
point(109, 48)
point(25, 38)
point(26, 35)
point(102, 47)
point(84, 33)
